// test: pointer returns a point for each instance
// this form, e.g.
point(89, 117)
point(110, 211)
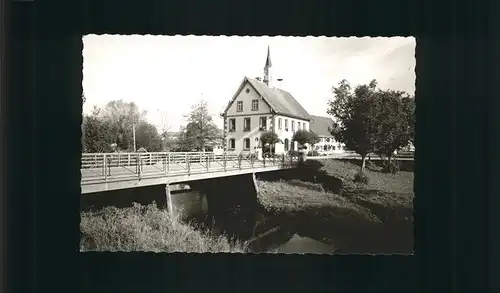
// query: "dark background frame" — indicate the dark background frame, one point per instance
point(454, 185)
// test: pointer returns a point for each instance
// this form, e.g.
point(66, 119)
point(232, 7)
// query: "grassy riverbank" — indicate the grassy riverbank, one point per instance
point(146, 228)
point(372, 218)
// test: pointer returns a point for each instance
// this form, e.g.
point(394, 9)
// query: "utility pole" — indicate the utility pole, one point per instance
point(133, 129)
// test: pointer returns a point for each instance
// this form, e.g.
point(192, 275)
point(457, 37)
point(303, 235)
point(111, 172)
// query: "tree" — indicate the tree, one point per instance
point(164, 128)
point(355, 115)
point(121, 117)
point(305, 137)
point(394, 122)
point(271, 138)
point(201, 132)
point(147, 136)
point(409, 107)
point(97, 135)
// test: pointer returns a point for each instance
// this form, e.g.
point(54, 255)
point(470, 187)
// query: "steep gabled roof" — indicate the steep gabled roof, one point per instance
point(320, 125)
point(280, 101)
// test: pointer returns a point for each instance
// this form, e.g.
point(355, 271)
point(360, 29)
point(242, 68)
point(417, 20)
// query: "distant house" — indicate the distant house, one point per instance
point(327, 144)
point(142, 150)
point(259, 106)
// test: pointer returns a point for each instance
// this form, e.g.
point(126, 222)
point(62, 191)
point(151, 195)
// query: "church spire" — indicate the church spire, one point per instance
point(268, 60)
point(267, 68)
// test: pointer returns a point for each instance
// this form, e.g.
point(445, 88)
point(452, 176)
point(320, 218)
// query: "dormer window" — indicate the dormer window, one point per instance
point(239, 106)
point(286, 124)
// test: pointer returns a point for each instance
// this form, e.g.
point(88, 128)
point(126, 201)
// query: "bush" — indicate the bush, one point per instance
point(313, 153)
point(370, 165)
point(147, 228)
point(361, 177)
point(392, 167)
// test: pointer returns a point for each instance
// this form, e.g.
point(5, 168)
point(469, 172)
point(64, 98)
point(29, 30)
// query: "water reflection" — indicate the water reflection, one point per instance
point(299, 244)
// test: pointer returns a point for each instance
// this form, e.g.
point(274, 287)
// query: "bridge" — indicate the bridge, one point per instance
point(112, 171)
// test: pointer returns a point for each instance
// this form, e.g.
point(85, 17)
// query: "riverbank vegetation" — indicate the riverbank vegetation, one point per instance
point(365, 218)
point(147, 228)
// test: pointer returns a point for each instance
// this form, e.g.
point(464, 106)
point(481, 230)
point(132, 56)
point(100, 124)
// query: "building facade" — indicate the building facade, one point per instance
point(327, 144)
point(259, 106)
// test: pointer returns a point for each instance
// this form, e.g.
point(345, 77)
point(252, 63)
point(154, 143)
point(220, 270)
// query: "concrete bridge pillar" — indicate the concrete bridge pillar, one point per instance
point(168, 196)
point(232, 203)
point(254, 179)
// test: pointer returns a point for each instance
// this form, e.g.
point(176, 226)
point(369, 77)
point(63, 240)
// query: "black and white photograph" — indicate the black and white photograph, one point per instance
point(228, 144)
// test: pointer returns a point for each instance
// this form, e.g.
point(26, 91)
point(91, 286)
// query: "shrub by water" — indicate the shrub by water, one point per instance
point(361, 177)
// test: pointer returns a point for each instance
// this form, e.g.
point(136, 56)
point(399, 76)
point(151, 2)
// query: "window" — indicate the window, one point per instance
point(327, 139)
point(279, 123)
point(304, 126)
point(263, 123)
point(286, 124)
point(293, 125)
point(292, 145)
point(246, 143)
point(325, 147)
point(298, 126)
point(246, 124)
point(286, 143)
point(231, 144)
point(333, 147)
point(247, 90)
point(239, 106)
point(232, 125)
point(255, 105)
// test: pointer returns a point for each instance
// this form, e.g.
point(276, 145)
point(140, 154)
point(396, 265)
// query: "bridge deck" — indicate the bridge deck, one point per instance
point(102, 172)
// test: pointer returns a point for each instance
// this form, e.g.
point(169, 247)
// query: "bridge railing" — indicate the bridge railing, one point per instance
point(127, 166)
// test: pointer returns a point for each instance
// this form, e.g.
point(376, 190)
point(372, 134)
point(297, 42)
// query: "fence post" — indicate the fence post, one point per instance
point(129, 159)
point(264, 161)
point(225, 161)
point(208, 162)
point(109, 166)
point(188, 163)
point(251, 159)
point(104, 168)
point(239, 161)
point(140, 167)
point(283, 159)
point(168, 163)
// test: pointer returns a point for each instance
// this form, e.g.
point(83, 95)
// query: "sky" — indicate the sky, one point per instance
point(166, 75)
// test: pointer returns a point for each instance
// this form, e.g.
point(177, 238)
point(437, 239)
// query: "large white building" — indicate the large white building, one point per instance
point(259, 106)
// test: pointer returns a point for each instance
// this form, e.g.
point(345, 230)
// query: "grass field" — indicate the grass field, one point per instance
point(147, 228)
